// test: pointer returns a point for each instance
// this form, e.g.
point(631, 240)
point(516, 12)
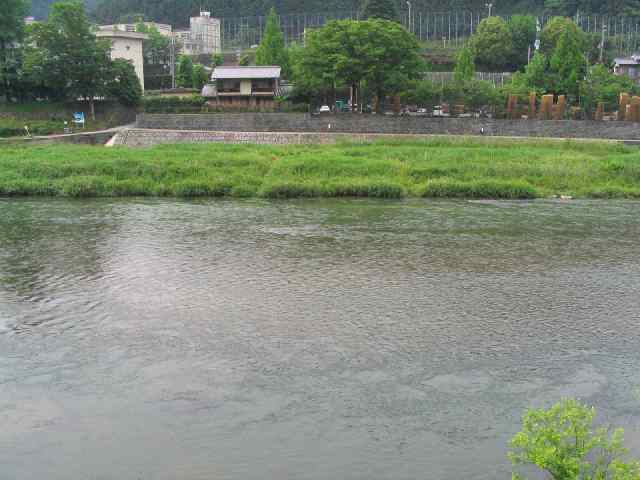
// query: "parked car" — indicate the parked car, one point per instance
point(325, 109)
point(440, 111)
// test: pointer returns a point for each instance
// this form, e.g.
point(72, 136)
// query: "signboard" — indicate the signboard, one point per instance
point(78, 117)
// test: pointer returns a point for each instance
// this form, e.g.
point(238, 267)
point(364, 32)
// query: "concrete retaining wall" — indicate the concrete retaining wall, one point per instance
point(149, 137)
point(347, 123)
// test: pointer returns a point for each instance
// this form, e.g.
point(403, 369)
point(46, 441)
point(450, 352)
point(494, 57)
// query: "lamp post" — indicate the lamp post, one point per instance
point(489, 6)
point(409, 5)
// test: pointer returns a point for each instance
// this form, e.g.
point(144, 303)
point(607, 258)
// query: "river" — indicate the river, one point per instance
point(318, 339)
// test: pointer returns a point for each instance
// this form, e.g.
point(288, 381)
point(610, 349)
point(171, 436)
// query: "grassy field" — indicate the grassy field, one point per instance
point(453, 168)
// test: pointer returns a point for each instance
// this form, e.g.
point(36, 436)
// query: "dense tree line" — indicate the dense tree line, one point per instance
point(176, 12)
point(61, 59)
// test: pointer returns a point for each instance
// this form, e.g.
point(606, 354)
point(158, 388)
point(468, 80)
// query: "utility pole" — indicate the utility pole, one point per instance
point(604, 30)
point(409, 5)
point(489, 6)
point(172, 61)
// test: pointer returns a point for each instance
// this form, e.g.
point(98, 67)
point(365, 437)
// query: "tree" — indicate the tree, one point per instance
point(536, 74)
point(64, 55)
point(423, 93)
point(492, 45)
point(563, 442)
point(568, 63)
point(272, 50)
point(245, 60)
point(603, 86)
point(123, 84)
point(465, 66)
point(156, 49)
point(565, 8)
point(184, 76)
point(523, 37)
point(199, 77)
point(217, 59)
point(11, 34)
point(553, 31)
point(381, 54)
point(384, 9)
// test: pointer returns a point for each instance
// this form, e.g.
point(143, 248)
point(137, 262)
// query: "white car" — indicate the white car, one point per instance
point(325, 109)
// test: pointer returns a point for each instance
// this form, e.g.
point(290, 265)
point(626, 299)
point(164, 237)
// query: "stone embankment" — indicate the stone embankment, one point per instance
point(283, 129)
point(137, 137)
point(383, 124)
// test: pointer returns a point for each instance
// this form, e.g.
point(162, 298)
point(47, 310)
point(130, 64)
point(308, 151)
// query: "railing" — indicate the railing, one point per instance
point(497, 78)
point(438, 30)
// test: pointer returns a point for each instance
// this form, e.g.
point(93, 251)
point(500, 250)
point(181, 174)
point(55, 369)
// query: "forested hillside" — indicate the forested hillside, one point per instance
point(176, 12)
point(40, 8)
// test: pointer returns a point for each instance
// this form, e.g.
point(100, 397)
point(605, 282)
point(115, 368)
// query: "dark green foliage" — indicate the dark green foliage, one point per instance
point(465, 66)
point(377, 53)
point(157, 48)
point(176, 12)
point(492, 45)
point(199, 77)
point(554, 29)
point(173, 104)
point(184, 72)
point(568, 64)
point(217, 59)
point(10, 127)
point(272, 50)
point(422, 93)
point(383, 9)
point(64, 56)
point(523, 37)
point(123, 84)
point(11, 33)
point(603, 86)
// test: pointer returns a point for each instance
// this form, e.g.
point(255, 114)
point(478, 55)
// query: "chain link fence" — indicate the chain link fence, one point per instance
point(437, 30)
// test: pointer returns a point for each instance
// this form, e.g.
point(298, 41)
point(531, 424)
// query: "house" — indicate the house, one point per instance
point(127, 45)
point(244, 86)
point(628, 66)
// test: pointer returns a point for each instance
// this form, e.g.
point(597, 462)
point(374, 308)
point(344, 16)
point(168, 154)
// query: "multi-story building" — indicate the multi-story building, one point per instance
point(163, 28)
point(203, 35)
point(126, 45)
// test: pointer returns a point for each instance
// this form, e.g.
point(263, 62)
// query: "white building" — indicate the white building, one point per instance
point(127, 45)
point(163, 28)
point(202, 37)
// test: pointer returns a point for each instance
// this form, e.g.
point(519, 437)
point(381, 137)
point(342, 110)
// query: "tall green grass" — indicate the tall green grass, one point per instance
point(441, 167)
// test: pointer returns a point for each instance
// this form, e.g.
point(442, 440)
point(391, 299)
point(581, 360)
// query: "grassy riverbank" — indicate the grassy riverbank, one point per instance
point(458, 167)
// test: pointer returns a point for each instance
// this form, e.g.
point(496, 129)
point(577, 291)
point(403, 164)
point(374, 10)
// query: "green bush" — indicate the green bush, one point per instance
point(564, 443)
point(499, 189)
point(173, 104)
point(10, 127)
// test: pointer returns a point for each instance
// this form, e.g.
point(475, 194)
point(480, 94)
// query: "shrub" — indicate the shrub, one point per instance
point(10, 127)
point(494, 189)
point(173, 104)
point(563, 442)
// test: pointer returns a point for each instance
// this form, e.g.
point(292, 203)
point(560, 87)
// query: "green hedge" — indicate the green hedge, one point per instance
point(173, 104)
point(10, 127)
point(197, 104)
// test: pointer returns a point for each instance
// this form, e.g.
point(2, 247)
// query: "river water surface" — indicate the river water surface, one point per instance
point(165, 339)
